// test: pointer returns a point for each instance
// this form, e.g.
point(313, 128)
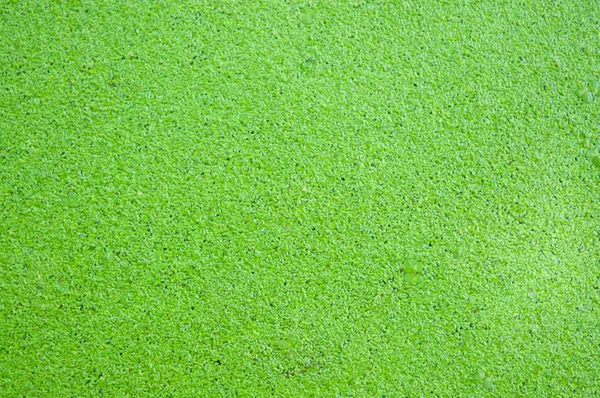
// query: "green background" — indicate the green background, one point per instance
point(323, 198)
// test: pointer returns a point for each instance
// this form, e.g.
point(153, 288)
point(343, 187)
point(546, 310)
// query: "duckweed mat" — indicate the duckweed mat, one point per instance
point(319, 198)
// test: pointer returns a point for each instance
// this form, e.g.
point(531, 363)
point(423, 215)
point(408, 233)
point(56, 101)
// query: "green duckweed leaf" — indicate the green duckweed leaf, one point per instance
point(587, 97)
point(591, 153)
point(479, 376)
point(412, 266)
point(287, 343)
point(586, 143)
point(71, 199)
point(196, 113)
point(533, 296)
point(307, 18)
point(411, 277)
point(595, 87)
point(456, 253)
point(488, 383)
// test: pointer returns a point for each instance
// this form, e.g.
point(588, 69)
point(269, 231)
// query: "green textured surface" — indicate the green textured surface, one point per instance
point(231, 198)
